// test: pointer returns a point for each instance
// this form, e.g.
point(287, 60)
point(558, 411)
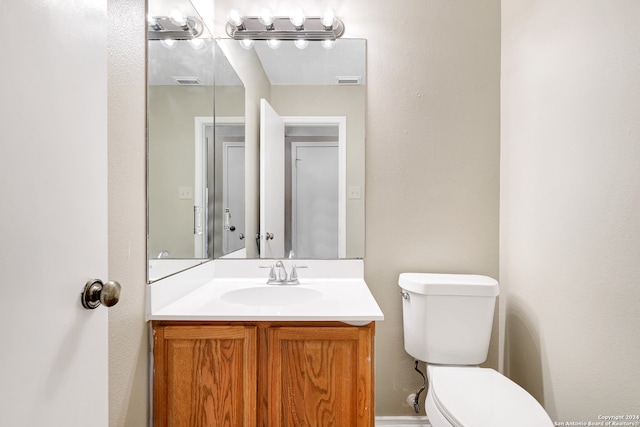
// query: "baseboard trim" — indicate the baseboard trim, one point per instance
point(402, 422)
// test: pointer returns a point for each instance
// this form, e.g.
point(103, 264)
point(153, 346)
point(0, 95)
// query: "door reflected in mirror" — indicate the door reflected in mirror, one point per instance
point(320, 92)
point(302, 200)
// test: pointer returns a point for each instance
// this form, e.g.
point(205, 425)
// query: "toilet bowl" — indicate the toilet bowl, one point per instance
point(479, 397)
point(447, 321)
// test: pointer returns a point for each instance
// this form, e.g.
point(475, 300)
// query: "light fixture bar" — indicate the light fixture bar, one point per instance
point(283, 29)
point(163, 28)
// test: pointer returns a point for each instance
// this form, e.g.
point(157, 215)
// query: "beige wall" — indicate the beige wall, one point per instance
point(128, 344)
point(171, 158)
point(432, 158)
point(432, 126)
point(432, 152)
point(570, 204)
point(172, 110)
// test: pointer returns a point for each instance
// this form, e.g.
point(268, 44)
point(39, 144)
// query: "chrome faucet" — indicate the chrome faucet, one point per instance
point(278, 275)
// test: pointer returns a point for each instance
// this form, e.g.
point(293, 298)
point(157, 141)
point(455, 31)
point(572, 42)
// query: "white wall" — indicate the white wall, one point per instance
point(570, 204)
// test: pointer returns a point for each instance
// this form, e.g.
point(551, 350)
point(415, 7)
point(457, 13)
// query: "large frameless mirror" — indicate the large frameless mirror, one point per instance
point(222, 183)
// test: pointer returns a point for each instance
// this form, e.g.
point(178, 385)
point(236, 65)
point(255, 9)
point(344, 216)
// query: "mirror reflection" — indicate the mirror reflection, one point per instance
point(183, 77)
point(305, 144)
point(212, 169)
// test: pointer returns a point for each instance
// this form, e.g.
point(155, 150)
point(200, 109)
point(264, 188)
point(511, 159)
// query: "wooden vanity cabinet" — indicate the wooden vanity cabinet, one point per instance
point(204, 375)
point(266, 374)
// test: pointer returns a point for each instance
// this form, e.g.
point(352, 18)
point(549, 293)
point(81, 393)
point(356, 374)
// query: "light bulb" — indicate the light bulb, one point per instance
point(328, 17)
point(246, 43)
point(328, 44)
point(301, 43)
point(297, 17)
point(235, 17)
point(168, 43)
point(196, 43)
point(176, 17)
point(153, 23)
point(274, 43)
point(265, 17)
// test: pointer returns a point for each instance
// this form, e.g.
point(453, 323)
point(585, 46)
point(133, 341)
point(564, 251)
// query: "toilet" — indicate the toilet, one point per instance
point(447, 322)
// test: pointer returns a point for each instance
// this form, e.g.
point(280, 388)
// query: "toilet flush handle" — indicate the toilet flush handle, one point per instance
point(405, 295)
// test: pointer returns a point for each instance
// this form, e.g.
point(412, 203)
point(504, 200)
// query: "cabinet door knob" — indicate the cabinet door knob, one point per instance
point(95, 293)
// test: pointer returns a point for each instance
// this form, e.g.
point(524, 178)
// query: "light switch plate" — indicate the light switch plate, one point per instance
point(354, 192)
point(185, 193)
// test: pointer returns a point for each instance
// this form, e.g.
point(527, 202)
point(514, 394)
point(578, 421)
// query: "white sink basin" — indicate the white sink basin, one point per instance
point(273, 295)
point(233, 290)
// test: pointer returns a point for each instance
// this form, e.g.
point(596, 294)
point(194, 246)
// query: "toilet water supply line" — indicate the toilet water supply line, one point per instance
point(414, 398)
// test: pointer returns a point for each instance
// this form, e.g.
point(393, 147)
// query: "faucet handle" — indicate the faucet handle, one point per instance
point(280, 272)
point(277, 274)
point(293, 276)
point(273, 278)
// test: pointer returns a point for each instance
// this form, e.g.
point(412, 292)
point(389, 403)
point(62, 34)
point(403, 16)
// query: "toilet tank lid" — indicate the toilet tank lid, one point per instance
point(449, 284)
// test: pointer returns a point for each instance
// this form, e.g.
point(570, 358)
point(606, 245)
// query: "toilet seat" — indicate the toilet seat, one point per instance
point(481, 397)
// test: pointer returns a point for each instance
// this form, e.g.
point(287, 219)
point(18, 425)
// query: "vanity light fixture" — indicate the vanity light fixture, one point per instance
point(174, 27)
point(297, 26)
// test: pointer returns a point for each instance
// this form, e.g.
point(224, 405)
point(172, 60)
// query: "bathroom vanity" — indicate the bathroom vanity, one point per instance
point(263, 373)
point(228, 349)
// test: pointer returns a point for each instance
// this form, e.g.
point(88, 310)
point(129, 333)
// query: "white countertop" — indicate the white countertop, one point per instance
point(230, 298)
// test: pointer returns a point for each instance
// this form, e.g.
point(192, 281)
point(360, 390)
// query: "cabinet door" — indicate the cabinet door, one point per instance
point(321, 376)
point(205, 376)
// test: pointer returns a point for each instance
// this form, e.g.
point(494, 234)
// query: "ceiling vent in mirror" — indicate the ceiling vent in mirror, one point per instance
point(348, 80)
point(187, 80)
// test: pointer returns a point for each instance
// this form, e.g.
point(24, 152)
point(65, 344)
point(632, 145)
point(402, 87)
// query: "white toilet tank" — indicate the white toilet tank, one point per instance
point(448, 317)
